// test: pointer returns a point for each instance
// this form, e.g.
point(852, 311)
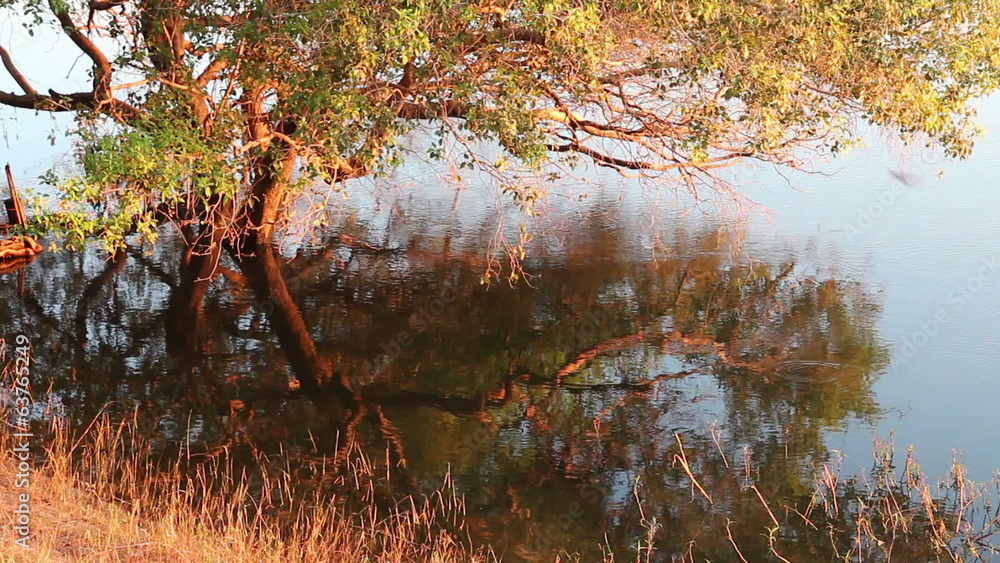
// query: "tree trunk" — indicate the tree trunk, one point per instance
point(184, 318)
point(267, 196)
point(263, 272)
point(271, 168)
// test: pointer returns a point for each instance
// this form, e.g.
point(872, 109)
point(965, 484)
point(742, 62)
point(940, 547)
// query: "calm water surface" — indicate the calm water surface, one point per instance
point(548, 401)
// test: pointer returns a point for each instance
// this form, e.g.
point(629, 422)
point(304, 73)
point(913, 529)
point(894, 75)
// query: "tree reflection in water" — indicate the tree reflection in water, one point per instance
point(546, 402)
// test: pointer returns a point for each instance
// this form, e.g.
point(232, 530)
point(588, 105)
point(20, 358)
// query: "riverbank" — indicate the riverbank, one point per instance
point(68, 523)
point(98, 505)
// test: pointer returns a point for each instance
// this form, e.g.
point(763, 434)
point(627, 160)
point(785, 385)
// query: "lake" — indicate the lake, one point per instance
point(645, 340)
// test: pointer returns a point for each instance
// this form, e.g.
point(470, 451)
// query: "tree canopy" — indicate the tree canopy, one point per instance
point(213, 114)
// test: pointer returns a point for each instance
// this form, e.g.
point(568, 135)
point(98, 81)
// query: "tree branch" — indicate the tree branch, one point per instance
point(618, 77)
point(576, 122)
point(211, 71)
point(56, 102)
point(512, 34)
point(102, 66)
point(99, 6)
point(607, 160)
point(614, 162)
point(12, 69)
point(447, 108)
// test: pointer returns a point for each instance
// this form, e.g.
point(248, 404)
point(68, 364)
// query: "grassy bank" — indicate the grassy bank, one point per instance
point(98, 497)
point(70, 523)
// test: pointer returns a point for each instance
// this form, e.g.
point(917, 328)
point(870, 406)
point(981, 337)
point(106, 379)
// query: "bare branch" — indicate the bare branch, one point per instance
point(16, 74)
point(607, 160)
point(212, 71)
point(56, 102)
point(102, 66)
point(615, 162)
point(99, 5)
point(576, 122)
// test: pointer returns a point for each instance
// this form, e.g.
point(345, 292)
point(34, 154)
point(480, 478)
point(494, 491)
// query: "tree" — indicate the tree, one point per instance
point(213, 114)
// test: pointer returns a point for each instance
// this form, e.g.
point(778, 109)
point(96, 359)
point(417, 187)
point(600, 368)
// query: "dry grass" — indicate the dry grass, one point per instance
point(895, 515)
point(100, 497)
point(885, 515)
